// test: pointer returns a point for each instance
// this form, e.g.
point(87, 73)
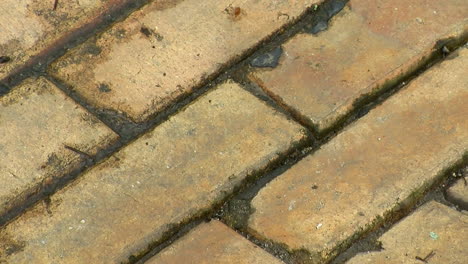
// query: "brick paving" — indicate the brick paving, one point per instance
point(364, 51)
point(161, 180)
point(420, 131)
point(213, 243)
point(271, 131)
point(41, 130)
point(28, 28)
point(140, 66)
point(434, 233)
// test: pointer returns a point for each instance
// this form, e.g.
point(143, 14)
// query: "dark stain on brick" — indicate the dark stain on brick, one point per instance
point(4, 59)
point(163, 4)
point(324, 13)
point(146, 31)
point(92, 49)
point(104, 88)
point(3, 89)
point(151, 33)
point(8, 246)
point(267, 60)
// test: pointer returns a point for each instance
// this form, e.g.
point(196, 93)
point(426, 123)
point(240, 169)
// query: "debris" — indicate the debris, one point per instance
point(55, 4)
point(234, 12)
point(445, 50)
point(319, 226)
point(427, 257)
point(433, 235)
point(268, 60)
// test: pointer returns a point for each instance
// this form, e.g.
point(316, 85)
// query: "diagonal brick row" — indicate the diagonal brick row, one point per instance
point(43, 135)
point(165, 178)
point(368, 47)
point(167, 49)
point(381, 162)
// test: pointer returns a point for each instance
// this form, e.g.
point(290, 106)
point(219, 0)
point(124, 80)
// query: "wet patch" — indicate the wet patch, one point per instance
point(4, 59)
point(268, 60)
point(323, 14)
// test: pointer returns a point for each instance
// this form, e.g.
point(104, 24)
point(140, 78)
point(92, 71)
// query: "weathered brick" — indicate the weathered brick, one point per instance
point(37, 124)
point(366, 49)
point(30, 27)
point(434, 233)
point(213, 243)
point(375, 165)
point(164, 178)
point(166, 50)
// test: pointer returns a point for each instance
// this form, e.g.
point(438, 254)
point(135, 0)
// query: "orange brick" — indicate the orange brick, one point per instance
point(37, 123)
point(368, 46)
point(434, 232)
point(213, 243)
point(165, 178)
point(165, 51)
point(375, 165)
point(30, 27)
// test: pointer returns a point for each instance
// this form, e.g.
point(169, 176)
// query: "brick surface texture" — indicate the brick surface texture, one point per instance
point(233, 131)
point(29, 27)
point(213, 243)
point(398, 149)
point(367, 47)
point(166, 177)
point(37, 123)
point(167, 49)
point(434, 232)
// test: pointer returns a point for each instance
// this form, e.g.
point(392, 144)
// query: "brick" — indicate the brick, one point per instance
point(165, 178)
point(166, 50)
point(367, 48)
point(37, 123)
point(376, 164)
point(458, 192)
point(432, 228)
point(30, 27)
point(213, 243)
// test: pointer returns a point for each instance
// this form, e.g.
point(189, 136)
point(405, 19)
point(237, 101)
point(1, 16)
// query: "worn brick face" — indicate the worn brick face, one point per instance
point(368, 47)
point(29, 27)
point(166, 177)
point(377, 163)
point(213, 243)
point(37, 124)
point(164, 51)
point(434, 233)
